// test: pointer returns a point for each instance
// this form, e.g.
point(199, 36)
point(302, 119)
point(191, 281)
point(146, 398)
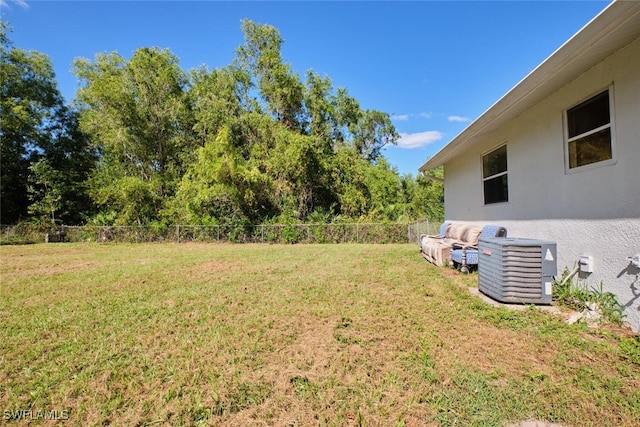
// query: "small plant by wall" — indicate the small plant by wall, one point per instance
point(581, 296)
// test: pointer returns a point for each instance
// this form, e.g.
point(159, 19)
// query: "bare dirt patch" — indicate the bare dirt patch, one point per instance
point(485, 347)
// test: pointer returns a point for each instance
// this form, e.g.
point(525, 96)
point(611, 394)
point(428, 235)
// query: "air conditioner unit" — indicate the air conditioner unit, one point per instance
point(516, 270)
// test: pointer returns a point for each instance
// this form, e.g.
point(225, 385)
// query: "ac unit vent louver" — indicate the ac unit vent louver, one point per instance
point(516, 270)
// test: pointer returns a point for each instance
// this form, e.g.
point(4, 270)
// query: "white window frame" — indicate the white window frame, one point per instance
point(497, 175)
point(610, 125)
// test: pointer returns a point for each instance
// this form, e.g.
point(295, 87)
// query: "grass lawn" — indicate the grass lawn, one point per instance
point(298, 335)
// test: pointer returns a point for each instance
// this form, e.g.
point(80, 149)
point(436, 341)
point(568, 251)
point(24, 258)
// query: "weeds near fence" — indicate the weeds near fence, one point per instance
point(234, 233)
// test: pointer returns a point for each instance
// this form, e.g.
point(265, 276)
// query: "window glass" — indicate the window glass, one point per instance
point(589, 132)
point(591, 114)
point(494, 162)
point(494, 176)
point(590, 149)
point(496, 190)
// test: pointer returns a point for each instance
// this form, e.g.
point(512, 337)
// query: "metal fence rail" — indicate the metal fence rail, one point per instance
point(261, 233)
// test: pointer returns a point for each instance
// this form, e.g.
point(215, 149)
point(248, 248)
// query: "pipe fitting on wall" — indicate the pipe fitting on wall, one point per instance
point(586, 264)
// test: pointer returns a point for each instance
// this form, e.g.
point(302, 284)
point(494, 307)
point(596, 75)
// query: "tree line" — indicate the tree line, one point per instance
point(145, 142)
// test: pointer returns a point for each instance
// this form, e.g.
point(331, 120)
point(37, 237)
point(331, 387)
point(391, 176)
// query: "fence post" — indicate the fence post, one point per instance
point(178, 233)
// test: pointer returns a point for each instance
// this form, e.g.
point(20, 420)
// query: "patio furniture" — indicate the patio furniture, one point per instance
point(466, 255)
point(432, 248)
point(437, 249)
point(439, 236)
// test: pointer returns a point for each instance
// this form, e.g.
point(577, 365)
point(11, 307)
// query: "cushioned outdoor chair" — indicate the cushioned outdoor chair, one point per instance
point(467, 255)
point(433, 248)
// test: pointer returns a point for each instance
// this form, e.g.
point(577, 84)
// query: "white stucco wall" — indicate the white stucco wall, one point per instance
point(610, 242)
point(594, 211)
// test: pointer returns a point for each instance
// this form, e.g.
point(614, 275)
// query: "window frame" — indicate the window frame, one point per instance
point(610, 126)
point(496, 175)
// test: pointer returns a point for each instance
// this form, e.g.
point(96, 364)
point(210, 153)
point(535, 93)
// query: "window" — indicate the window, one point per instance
point(494, 176)
point(589, 131)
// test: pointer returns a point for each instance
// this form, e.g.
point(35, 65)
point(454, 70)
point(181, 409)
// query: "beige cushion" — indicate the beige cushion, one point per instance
point(463, 233)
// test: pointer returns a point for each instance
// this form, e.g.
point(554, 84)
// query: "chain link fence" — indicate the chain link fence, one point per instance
point(262, 233)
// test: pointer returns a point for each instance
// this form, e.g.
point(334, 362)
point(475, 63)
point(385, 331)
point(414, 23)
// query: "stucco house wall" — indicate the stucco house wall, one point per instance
point(594, 211)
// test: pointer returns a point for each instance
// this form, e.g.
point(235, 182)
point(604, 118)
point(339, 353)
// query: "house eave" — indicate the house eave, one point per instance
point(616, 26)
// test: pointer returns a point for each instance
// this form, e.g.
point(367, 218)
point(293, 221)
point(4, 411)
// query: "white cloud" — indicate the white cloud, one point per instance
point(405, 117)
point(420, 139)
point(21, 3)
point(458, 119)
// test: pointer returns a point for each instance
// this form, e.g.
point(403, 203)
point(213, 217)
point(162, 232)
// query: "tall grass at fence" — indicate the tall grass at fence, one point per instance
point(261, 233)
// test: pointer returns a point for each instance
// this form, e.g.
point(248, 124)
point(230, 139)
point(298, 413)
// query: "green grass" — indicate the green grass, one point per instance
point(220, 334)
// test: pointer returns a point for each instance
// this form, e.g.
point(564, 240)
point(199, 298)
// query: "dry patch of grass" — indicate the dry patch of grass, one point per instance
point(197, 334)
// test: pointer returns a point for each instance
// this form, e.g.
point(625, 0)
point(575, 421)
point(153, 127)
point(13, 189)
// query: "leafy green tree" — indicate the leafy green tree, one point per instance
point(67, 151)
point(279, 86)
point(348, 174)
point(346, 112)
point(29, 99)
point(218, 98)
point(138, 116)
point(45, 159)
point(338, 118)
point(320, 109)
point(244, 143)
point(384, 188)
point(221, 185)
point(373, 132)
point(424, 196)
point(44, 191)
point(299, 167)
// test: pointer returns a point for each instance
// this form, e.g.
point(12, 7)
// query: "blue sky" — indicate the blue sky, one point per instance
point(434, 66)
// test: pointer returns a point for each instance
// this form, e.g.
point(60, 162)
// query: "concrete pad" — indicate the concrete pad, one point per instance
point(491, 301)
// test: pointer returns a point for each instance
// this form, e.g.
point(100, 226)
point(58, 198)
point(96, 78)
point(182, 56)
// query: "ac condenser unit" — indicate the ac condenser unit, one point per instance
point(516, 270)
